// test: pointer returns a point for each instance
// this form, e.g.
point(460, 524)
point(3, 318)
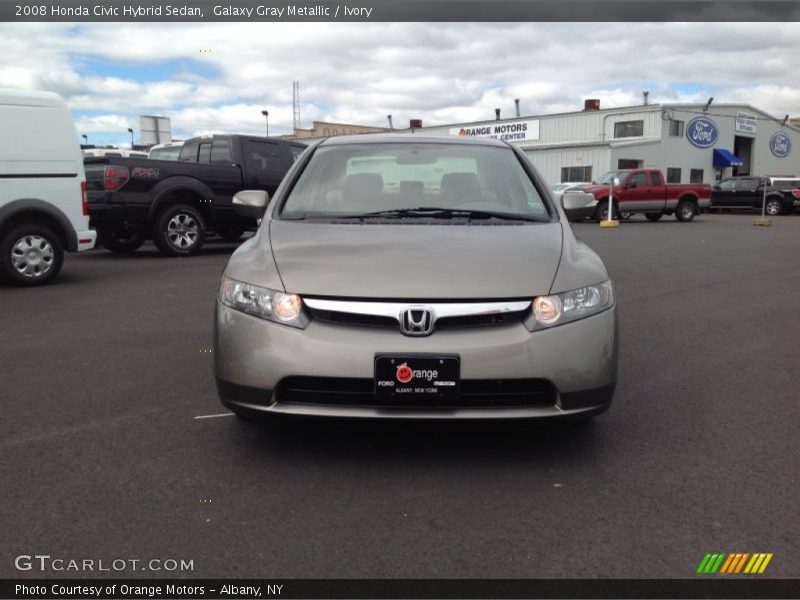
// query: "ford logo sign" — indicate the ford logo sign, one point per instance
point(780, 144)
point(702, 132)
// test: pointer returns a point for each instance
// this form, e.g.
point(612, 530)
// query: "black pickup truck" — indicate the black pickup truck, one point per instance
point(178, 203)
point(747, 192)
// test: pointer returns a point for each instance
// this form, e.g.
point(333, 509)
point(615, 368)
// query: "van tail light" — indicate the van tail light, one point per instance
point(84, 199)
point(115, 177)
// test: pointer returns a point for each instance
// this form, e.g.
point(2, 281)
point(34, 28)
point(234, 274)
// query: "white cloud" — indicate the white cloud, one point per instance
point(225, 74)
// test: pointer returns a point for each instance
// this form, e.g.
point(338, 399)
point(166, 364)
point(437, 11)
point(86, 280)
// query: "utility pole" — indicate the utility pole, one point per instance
point(296, 104)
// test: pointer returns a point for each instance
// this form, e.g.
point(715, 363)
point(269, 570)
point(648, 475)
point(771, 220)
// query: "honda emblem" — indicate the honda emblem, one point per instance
point(417, 320)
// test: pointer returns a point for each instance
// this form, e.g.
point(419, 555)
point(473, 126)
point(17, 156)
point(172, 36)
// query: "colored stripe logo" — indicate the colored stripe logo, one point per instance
point(735, 563)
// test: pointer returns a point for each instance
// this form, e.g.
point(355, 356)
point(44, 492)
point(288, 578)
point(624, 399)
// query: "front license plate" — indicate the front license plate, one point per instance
point(416, 376)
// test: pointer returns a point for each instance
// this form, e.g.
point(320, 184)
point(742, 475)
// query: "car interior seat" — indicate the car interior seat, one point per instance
point(362, 192)
point(458, 188)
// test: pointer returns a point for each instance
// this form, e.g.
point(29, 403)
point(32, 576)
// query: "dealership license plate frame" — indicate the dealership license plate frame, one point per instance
point(448, 365)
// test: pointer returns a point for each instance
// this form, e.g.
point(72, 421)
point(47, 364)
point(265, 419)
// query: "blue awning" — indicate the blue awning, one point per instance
point(726, 158)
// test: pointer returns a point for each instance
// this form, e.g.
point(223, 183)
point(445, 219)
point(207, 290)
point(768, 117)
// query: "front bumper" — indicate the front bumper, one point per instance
point(252, 358)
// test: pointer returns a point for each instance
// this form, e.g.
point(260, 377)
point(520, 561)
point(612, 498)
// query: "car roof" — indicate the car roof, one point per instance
point(410, 139)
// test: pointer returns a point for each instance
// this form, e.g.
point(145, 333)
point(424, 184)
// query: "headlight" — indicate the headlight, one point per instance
point(557, 309)
point(262, 302)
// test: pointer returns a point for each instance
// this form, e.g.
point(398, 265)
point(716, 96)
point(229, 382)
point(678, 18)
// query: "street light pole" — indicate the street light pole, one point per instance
point(266, 115)
point(131, 132)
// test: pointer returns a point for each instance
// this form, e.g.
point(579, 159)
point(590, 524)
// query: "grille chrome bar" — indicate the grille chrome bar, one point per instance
point(441, 310)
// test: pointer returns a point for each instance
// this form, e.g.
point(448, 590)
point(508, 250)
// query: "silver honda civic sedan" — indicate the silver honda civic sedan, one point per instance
point(414, 277)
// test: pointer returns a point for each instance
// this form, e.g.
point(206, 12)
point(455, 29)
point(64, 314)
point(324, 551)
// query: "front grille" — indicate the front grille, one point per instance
point(341, 318)
point(474, 393)
point(488, 320)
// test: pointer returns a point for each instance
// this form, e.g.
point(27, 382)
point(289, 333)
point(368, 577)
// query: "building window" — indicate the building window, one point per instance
point(676, 128)
point(628, 129)
point(696, 176)
point(569, 174)
point(673, 175)
point(629, 163)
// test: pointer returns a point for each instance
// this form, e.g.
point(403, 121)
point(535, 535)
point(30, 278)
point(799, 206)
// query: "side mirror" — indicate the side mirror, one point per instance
point(630, 184)
point(250, 203)
point(578, 205)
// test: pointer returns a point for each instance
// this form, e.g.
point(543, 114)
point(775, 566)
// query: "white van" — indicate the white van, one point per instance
point(43, 209)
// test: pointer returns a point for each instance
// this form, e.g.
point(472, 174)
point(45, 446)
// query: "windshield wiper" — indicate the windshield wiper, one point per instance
point(443, 213)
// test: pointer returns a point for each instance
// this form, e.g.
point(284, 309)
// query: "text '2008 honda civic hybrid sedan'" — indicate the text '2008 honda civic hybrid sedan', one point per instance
point(414, 277)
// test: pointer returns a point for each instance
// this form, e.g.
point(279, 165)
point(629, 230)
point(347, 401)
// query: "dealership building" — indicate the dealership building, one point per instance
point(691, 143)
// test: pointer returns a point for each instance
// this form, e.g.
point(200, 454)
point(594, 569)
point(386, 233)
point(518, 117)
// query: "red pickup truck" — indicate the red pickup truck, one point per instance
point(644, 191)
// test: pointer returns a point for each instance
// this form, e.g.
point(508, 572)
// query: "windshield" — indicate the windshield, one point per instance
point(170, 153)
point(356, 179)
point(607, 178)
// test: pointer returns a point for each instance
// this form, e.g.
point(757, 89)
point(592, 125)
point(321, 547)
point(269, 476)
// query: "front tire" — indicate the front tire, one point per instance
point(774, 207)
point(685, 211)
point(179, 230)
point(652, 216)
point(31, 255)
point(601, 212)
point(121, 242)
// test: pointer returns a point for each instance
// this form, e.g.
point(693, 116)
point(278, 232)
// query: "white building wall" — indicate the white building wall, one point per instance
point(593, 126)
point(550, 162)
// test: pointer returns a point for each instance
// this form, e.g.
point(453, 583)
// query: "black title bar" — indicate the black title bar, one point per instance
point(401, 10)
point(245, 589)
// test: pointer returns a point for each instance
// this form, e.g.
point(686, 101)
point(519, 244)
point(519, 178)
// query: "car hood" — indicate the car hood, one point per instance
point(593, 188)
point(416, 261)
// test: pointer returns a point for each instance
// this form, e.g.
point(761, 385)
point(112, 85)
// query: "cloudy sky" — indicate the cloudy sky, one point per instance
point(217, 77)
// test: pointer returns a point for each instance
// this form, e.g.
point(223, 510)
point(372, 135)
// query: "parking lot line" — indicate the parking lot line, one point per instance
point(230, 414)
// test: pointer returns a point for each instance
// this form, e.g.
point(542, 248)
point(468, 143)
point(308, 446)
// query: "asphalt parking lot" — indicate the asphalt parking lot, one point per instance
point(104, 372)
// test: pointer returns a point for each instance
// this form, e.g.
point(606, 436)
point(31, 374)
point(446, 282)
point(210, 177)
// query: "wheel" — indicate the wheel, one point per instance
point(601, 212)
point(179, 230)
point(120, 241)
point(31, 255)
point(653, 216)
point(625, 215)
point(232, 234)
point(685, 211)
point(774, 207)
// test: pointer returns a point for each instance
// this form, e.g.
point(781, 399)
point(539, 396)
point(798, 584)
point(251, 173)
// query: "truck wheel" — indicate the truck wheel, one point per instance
point(625, 215)
point(685, 211)
point(774, 207)
point(232, 234)
point(121, 242)
point(179, 230)
point(31, 255)
point(601, 212)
